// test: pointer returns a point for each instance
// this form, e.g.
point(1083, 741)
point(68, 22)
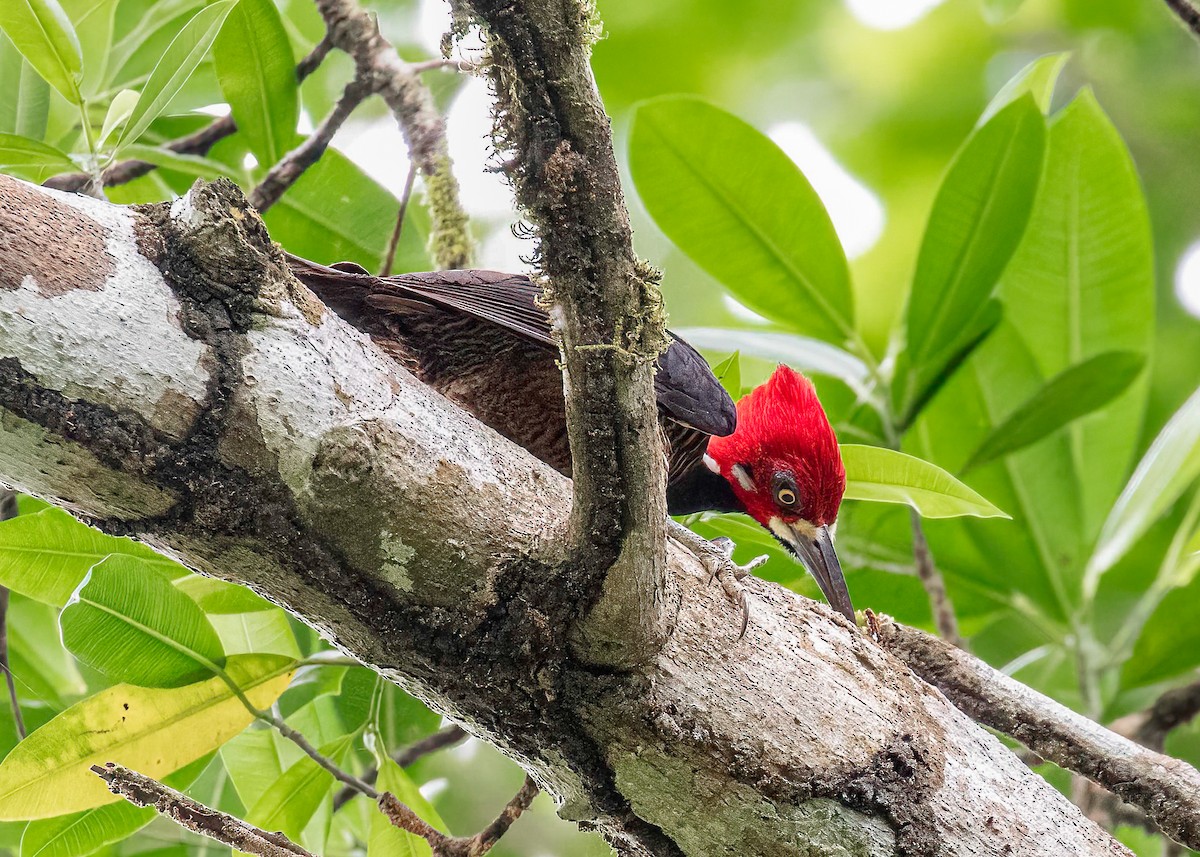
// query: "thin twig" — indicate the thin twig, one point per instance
point(401, 816)
point(192, 815)
point(935, 587)
point(1187, 13)
point(462, 66)
point(8, 510)
point(460, 846)
point(196, 143)
point(285, 173)
point(406, 756)
point(313, 753)
point(1166, 789)
point(394, 242)
point(355, 32)
point(1170, 711)
point(483, 841)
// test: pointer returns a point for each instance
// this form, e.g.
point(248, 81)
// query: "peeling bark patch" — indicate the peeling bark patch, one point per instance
point(220, 256)
point(897, 786)
point(120, 440)
point(42, 238)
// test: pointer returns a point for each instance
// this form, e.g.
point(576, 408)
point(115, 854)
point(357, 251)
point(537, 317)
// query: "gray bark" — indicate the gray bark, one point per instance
point(163, 376)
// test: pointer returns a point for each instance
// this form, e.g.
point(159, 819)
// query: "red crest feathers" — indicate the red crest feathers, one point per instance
point(782, 427)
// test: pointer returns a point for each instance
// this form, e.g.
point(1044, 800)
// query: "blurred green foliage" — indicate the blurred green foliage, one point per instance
point(1014, 186)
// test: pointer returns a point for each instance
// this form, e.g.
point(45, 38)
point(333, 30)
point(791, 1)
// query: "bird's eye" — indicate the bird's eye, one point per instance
point(786, 497)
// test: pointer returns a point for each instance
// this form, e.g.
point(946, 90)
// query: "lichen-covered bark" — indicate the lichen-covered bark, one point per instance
point(606, 308)
point(279, 448)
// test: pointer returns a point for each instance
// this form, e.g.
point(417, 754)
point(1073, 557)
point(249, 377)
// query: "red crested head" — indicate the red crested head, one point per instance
point(785, 468)
point(783, 460)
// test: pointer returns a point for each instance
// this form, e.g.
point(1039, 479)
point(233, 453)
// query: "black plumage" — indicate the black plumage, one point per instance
point(481, 339)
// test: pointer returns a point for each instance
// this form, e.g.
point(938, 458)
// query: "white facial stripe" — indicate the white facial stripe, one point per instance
point(711, 463)
point(743, 478)
point(790, 532)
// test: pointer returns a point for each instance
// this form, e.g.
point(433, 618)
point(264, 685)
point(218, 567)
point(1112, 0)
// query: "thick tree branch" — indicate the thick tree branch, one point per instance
point(163, 374)
point(606, 309)
point(1166, 789)
point(354, 31)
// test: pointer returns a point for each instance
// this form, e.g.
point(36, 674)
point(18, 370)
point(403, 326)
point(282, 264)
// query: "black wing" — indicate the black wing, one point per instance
point(685, 386)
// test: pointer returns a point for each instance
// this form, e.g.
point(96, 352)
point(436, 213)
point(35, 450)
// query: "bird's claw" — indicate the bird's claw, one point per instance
point(717, 558)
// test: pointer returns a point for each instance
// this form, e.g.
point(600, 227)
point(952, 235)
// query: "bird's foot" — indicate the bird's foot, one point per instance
point(717, 558)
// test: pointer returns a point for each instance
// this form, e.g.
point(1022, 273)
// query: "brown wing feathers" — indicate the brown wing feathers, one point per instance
point(481, 339)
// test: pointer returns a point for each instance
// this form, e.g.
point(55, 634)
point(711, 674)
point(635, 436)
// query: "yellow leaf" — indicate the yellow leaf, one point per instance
point(151, 730)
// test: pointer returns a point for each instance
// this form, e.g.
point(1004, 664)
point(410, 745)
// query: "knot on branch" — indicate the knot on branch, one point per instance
point(218, 255)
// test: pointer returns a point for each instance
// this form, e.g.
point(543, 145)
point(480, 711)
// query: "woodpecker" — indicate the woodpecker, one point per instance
point(481, 339)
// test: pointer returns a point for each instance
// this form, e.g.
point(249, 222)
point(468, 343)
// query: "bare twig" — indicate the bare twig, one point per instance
point(354, 31)
point(389, 258)
point(460, 846)
point(1187, 13)
point(462, 66)
point(1171, 710)
point(196, 143)
point(1166, 789)
point(8, 510)
point(401, 816)
point(285, 173)
point(935, 587)
point(483, 841)
point(405, 756)
point(192, 815)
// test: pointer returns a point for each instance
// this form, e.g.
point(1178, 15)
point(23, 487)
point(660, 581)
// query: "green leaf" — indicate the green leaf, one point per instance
point(933, 374)
point(1081, 284)
point(174, 68)
point(245, 622)
point(42, 32)
point(44, 670)
point(153, 731)
point(127, 621)
point(119, 109)
point(139, 48)
point(998, 11)
point(1166, 470)
point(799, 352)
point(1169, 645)
point(193, 165)
point(290, 802)
point(886, 476)
point(387, 840)
point(1069, 395)
point(258, 78)
point(336, 212)
point(256, 759)
point(23, 152)
point(93, 21)
point(45, 556)
point(1038, 78)
point(729, 373)
point(736, 204)
point(26, 105)
point(81, 833)
point(978, 218)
